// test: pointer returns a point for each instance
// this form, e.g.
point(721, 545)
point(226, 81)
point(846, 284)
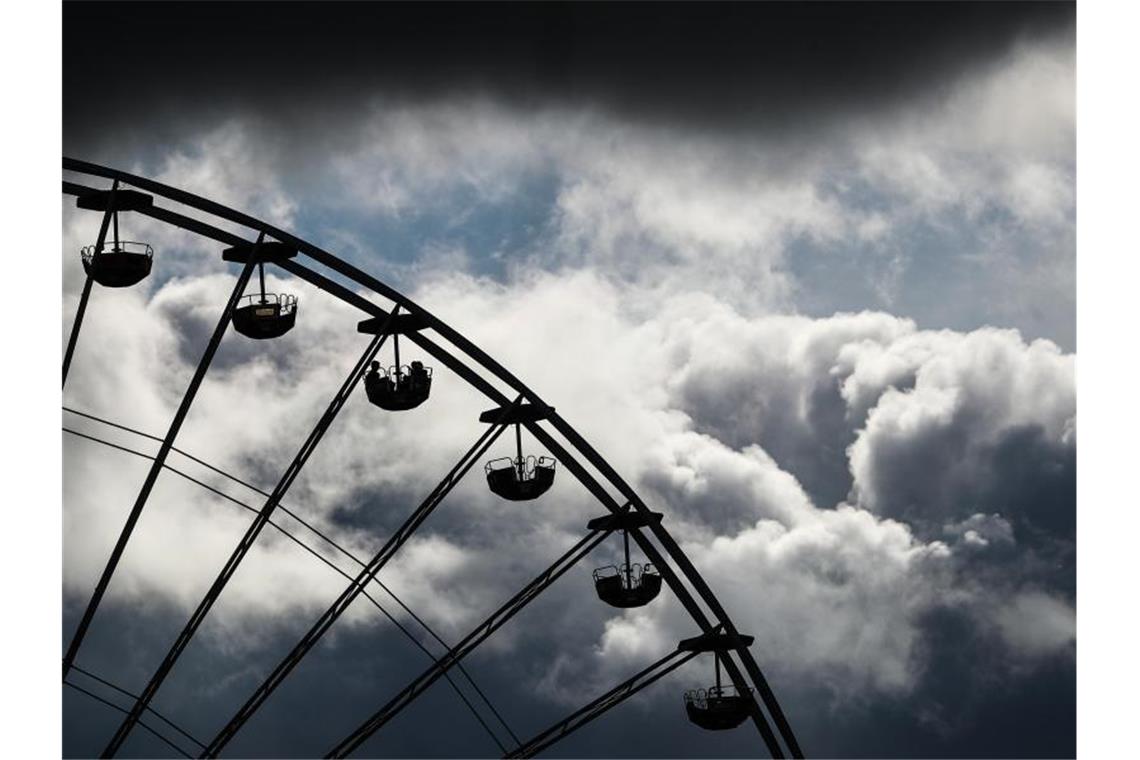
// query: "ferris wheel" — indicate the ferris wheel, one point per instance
point(653, 561)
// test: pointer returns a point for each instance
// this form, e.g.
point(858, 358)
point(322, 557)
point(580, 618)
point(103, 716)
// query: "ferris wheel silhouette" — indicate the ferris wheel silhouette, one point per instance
point(742, 693)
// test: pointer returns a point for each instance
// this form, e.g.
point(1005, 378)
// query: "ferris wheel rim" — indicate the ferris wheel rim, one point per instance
point(579, 445)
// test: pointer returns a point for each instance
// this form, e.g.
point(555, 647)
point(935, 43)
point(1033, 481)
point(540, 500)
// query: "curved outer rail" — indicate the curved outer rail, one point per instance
point(489, 365)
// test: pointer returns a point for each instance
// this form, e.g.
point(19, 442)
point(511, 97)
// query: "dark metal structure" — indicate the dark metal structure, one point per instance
point(525, 478)
point(521, 478)
point(397, 388)
point(599, 706)
point(263, 315)
point(305, 545)
point(126, 262)
point(630, 584)
point(719, 707)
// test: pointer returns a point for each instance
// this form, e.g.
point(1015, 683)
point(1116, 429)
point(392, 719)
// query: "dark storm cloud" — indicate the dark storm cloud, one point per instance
point(965, 701)
point(142, 67)
point(144, 74)
point(807, 439)
point(938, 478)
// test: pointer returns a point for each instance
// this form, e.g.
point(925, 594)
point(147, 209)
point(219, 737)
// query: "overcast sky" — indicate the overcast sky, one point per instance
point(803, 273)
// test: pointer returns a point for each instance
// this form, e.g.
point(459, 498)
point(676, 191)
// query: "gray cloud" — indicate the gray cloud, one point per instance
point(781, 561)
point(781, 68)
point(957, 210)
point(782, 337)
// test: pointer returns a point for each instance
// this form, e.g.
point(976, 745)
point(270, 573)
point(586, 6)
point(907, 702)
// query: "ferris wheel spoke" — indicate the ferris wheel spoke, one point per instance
point(469, 643)
point(218, 471)
point(612, 698)
point(150, 710)
point(82, 308)
point(604, 521)
point(366, 575)
point(308, 526)
point(156, 466)
point(247, 540)
point(87, 283)
point(324, 560)
point(117, 708)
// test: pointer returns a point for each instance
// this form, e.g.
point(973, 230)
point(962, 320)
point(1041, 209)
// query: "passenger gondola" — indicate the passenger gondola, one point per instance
point(628, 585)
point(263, 315)
point(519, 478)
point(718, 707)
point(123, 263)
point(399, 387)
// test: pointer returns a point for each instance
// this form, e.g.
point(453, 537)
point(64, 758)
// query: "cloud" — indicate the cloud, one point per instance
point(981, 531)
point(932, 449)
point(783, 338)
point(928, 413)
point(969, 186)
point(780, 68)
point(1037, 624)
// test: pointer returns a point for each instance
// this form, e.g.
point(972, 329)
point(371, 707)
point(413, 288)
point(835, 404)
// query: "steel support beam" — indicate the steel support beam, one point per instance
point(75, 325)
point(354, 589)
point(99, 679)
point(247, 540)
point(82, 308)
point(156, 466)
point(472, 640)
point(603, 704)
point(115, 707)
point(324, 560)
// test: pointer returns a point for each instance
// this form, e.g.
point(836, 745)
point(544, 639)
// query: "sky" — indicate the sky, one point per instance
point(803, 273)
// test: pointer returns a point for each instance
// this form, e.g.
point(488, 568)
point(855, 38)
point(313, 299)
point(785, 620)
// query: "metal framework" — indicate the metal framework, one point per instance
point(454, 351)
point(115, 687)
point(156, 467)
point(359, 583)
point(607, 701)
point(480, 634)
point(82, 308)
point(318, 556)
point(247, 540)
